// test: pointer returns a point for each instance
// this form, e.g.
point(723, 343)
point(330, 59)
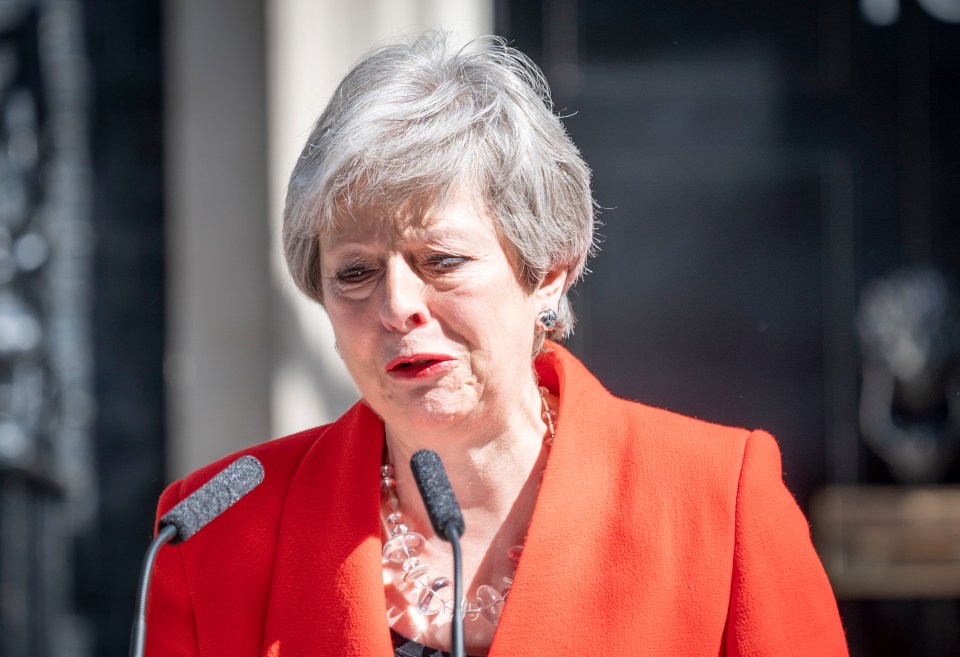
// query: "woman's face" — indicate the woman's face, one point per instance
point(429, 316)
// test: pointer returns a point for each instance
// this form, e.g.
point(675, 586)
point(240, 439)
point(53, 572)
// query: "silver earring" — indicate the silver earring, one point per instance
point(336, 348)
point(546, 320)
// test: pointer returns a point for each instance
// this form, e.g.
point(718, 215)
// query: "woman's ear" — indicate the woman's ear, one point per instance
point(550, 290)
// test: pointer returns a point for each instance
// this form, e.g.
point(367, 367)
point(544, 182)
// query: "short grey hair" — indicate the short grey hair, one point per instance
point(411, 122)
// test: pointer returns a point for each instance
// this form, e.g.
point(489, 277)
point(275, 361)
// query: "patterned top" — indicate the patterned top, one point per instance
point(404, 647)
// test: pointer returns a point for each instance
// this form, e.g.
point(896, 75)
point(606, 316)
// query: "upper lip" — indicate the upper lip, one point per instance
point(414, 358)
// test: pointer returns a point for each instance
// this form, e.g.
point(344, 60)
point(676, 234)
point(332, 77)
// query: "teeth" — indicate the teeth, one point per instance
point(415, 362)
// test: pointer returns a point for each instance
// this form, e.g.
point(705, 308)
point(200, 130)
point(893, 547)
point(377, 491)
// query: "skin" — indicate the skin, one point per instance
point(441, 286)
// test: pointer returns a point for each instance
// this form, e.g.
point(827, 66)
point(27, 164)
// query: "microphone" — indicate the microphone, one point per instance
point(436, 492)
point(213, 498)
point(187, 518)
point(447, 521)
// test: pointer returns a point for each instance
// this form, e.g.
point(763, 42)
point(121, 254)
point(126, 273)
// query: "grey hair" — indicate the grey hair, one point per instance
point(413, 121)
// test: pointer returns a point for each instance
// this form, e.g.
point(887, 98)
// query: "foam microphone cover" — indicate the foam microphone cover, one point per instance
point(214, 497)
point(438, 497)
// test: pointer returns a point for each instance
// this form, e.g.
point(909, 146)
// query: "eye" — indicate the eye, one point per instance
point(443, 262)
point(354, 274)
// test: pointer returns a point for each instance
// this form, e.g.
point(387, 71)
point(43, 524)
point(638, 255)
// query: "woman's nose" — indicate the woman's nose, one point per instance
point(404, 304)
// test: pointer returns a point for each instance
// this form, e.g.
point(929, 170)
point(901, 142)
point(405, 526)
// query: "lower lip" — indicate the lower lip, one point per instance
point(420, 370)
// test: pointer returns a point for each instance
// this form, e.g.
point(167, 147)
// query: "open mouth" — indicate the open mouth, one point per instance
point(414, 363)
point(413, 367)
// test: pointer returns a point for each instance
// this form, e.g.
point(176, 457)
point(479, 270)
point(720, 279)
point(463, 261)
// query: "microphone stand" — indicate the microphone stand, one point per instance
point(456, 627)
point(139, 632)
point(447, 521)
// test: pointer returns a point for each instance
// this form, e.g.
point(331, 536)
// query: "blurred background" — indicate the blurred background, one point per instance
point(780, 185)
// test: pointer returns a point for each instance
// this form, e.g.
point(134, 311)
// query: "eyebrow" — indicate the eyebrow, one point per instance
point(390, 234)
point(339, 240)
point(343, 251)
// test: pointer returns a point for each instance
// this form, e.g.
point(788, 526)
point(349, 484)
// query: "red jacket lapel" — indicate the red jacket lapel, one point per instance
point(327, 596)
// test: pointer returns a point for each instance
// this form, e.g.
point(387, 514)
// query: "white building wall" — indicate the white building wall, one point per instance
point(249, 358)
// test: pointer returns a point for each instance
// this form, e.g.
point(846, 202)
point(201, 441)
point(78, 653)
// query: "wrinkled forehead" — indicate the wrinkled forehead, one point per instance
point(386, 220)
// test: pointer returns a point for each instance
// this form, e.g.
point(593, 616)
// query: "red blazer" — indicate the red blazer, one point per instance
point(653, 534)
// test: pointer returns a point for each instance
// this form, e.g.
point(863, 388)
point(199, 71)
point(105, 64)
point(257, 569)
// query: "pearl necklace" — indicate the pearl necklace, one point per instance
point(404, 546)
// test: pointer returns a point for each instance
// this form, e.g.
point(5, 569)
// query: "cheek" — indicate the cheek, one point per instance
point(350, 328)
point(508, 316)
point(348, 315)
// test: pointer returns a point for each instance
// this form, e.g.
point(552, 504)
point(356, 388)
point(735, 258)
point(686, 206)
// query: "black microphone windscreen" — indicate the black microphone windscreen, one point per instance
point(214, 497)
point(436, 492)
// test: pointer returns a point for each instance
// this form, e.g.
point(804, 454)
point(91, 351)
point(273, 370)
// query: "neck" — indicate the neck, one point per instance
point(487, 461)
point(495, 475)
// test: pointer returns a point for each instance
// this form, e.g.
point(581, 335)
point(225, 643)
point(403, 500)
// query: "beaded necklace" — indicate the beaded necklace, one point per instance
point(404, 546)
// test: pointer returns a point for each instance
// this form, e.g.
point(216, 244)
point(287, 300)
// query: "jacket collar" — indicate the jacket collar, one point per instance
point(328, 597)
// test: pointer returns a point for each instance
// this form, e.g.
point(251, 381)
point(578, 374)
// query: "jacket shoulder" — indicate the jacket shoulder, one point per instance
point(279, 457)
point(673, 434)
point(211, 592)
point(661, 445)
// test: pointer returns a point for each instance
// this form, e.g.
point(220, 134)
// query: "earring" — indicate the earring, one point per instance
point(336, 348)
point(546, 320)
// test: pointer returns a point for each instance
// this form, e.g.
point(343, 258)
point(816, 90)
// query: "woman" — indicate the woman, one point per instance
point(440, 214)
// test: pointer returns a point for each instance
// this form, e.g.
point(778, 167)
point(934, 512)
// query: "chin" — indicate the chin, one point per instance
point(429, 413)
point(433, 418)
